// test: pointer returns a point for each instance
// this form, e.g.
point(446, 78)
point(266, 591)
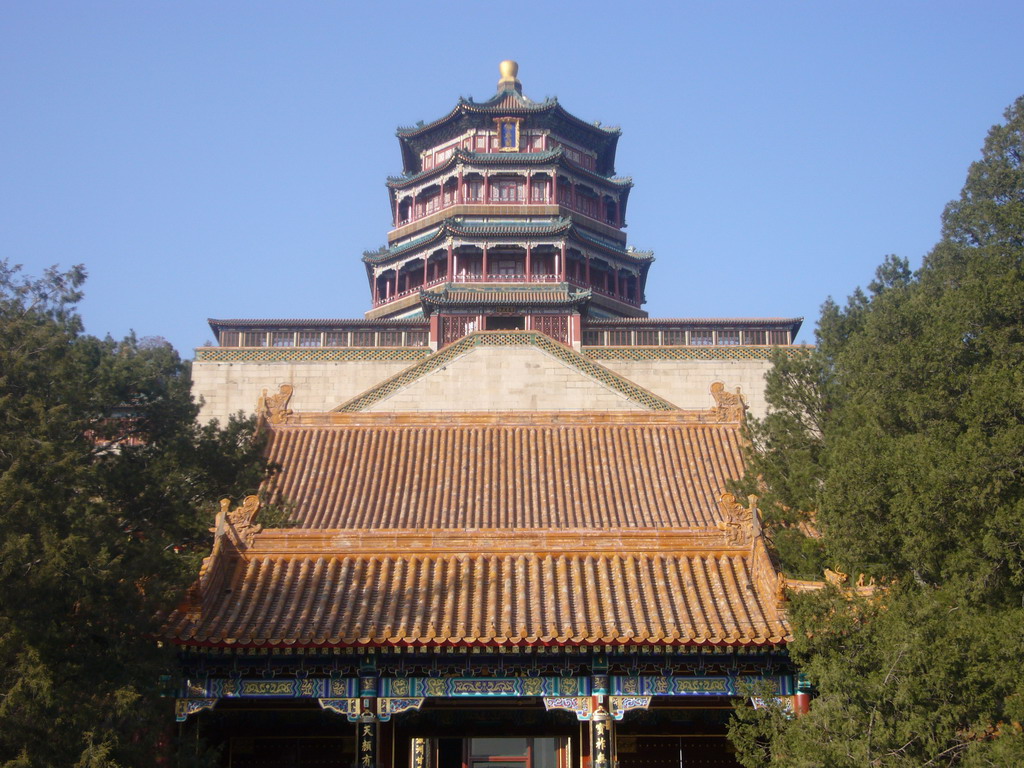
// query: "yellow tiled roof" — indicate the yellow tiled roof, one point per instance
point(505, 470)
point(494, 529)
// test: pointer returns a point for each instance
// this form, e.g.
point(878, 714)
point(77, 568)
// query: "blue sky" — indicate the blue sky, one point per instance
point(227, 159)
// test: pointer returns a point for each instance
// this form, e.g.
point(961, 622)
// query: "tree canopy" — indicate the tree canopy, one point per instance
point(900, 440)
point(105, 482)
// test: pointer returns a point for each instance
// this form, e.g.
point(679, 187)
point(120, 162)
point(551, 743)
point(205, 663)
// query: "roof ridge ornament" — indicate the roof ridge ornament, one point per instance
point(242, 519)
point(274, 408)
point(729, 406)
point(740, 524)
point(509, 77)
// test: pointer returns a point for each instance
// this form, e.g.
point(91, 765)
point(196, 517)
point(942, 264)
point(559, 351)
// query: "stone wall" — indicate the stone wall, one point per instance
point(506, 379)
point(227, 388)
point(686, 383)
point(488, 378)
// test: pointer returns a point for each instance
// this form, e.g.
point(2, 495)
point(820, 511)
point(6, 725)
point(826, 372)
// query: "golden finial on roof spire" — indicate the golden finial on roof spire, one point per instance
point(509, 76)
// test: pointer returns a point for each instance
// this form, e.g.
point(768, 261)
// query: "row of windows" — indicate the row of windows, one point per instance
point(389, 338)
point(679, 337)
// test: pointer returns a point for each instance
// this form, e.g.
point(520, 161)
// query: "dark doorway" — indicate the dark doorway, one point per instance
point(503, 323)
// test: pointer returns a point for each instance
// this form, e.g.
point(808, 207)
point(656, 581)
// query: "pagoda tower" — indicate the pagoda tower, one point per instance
point(508, 216)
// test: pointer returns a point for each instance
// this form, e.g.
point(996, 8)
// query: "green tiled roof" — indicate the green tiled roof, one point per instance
point(556, 155)
point(456, 227)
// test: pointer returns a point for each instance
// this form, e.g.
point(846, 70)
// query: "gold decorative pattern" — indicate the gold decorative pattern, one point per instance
point(729, 406)
point(274, 408)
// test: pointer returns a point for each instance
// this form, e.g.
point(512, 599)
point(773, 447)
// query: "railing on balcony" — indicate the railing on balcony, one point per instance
point(586, 206)
point(580, 283)
point(467, 278)
point(506, 278)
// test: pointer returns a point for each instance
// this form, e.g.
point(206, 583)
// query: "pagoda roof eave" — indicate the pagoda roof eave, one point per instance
point(454, 297)
point(506, 158)
point(456, 228)
point(511, 104)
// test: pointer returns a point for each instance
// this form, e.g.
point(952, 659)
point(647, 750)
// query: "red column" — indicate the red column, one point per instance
point(484, 266)
point(487, 190)
point(375, 289)
point(450, 273)
point(801, 703)
point(618, 213)
point(561, 272)
point(617, 295)
point(435, 328)
point(461, 192)
point(398, 210)
point(412, 209)
point(554, 188)
point(529, 262)
point(426, 263)
point(588, 270)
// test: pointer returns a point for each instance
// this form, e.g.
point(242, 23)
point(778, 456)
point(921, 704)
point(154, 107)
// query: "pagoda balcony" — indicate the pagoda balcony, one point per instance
point(466, 278)
point(580, 283)
point(520, 279)
point(436, 212)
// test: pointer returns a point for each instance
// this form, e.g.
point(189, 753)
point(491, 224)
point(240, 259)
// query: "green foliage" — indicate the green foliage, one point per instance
point(104, 479)
point(901, 436)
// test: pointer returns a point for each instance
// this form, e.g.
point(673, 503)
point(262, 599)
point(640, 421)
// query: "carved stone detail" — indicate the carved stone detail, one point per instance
point(729, 406)
point(274, 408)
point(737, 521)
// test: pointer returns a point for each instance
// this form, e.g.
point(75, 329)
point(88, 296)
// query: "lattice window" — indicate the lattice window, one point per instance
point(391, 338)
point(702, 337)
point(647, 338)
point(555, 326)
point(229, 338)
point(620, 338)
point(336, 339)
point(254, 339)
point(778, 337)
point(417, 339)
point(309, 338)
point(673, 337)
point(282, 339)
point(593, 338)
point(754, 337)
point(362, 339)
point(474, 191)
point(506, 190)
point(455, 327)
point(728, 337)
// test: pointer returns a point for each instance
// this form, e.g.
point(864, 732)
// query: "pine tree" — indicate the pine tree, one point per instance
point(105, 481)
point(902, 437)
